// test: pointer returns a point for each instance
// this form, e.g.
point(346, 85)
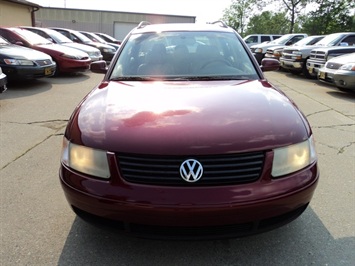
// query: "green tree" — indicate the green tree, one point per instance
point(268, 22)
point(236, 16)
point(294, 7)
point(330, 16)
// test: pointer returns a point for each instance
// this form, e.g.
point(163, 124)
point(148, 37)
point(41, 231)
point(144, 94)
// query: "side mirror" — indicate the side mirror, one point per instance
point(99, 67)
point(269, 64)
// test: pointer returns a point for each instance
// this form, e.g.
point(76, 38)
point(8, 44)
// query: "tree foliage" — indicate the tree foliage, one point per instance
point(237, 15)
point(330, 16)
point(268, 22)
point(326, 16)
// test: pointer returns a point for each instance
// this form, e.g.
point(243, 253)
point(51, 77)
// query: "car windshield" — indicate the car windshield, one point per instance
point(3, 41)
point(329, 40)
point(82, 37)
point(183, 56)
point(32, 38)
point(283, 39)
point(58, 37)
point(95, 38)
point(305, 41)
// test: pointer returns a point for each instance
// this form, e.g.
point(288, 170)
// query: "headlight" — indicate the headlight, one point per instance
point(296, 55)
point(21, 62)
point(85, 160)
point(293, 158)
point(277, 53)
point(258, 50)
point(350, 67)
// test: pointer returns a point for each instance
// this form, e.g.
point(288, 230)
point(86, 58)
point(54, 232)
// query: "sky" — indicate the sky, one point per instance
point(203, 10)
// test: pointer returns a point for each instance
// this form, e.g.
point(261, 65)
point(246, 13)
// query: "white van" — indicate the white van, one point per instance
point(260, 38)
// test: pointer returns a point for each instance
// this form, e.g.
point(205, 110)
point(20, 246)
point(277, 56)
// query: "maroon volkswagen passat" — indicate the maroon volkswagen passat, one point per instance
point(184, 137)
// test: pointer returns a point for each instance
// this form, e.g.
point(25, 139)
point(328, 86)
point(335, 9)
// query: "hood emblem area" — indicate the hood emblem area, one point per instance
point(191, 170)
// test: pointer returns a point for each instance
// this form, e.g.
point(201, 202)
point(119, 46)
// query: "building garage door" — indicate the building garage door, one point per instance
point(121, 29)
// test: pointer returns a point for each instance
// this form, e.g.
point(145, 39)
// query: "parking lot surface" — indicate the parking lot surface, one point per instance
point(37, 227)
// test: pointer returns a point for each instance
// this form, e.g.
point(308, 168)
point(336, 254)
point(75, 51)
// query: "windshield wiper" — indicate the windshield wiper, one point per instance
point(135, 78)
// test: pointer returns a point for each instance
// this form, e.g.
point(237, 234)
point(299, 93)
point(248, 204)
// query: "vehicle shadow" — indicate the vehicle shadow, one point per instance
point(68, 78)
point(18, 89)
point(305, 241)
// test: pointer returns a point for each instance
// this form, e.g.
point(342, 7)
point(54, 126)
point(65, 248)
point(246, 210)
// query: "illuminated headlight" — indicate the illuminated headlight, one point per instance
point(85, 160)
point(349, 67)
point(108, 50)
point(21, 62)
point(293, 158)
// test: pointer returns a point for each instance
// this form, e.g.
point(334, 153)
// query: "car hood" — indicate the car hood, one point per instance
point(19, 52)
point(305, 48)
point(99, 45)
point(61, 49)
point(82, 47)
point(187, 118)
point(277, 47)
point(343, 59)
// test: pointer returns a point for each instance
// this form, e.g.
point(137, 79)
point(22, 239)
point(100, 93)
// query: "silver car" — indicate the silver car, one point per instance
point(339, 71)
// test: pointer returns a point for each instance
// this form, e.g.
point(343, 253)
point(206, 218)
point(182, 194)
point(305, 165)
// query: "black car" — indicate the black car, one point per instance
point(108, 38)
point(19, 62)
point(107, 51)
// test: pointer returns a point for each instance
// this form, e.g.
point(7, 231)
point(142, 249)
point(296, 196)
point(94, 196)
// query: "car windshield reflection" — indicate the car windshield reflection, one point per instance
point(183, 55)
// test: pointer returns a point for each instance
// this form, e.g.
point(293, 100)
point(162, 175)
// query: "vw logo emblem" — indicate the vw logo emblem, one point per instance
point(191, 170)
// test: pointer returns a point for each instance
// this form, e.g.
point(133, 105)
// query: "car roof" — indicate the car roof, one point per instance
point(216, 26)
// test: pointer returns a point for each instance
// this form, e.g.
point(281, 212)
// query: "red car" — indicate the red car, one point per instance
point(67, 59)
point(184, 137)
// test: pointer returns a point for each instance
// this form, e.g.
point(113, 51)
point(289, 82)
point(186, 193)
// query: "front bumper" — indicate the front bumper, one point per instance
point(28, 72)
point(345, 79)
point(69, 65)
point(3, 82)
point(190, 212)
point(292, 65)
point(313, 67)
point(326, 75)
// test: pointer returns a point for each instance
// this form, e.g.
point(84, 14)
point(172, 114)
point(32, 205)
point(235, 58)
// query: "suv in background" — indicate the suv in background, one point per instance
point(295, 58)
point(276, 51)
point(259, 50)
point(253, 39)
point(320, 56)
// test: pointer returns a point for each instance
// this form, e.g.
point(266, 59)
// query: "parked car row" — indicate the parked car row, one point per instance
point(314, 56)
point(32, 52)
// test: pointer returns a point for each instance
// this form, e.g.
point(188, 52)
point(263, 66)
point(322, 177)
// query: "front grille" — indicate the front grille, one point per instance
point(217, 169)
point(331, 65)
point(44, 62)
point(317, 55)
